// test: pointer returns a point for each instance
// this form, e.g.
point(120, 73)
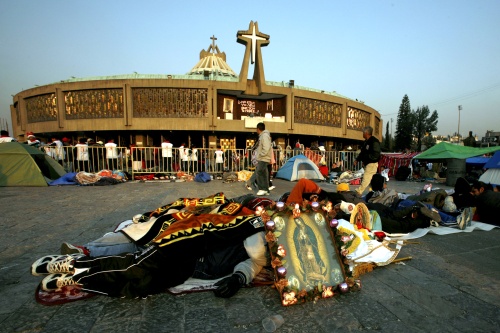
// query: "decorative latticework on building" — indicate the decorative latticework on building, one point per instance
point(376, 130)
point(170, 103)
point(316, 112)
point(18, 114)
point(41, 108)
point(357, 119)
point(91, 104)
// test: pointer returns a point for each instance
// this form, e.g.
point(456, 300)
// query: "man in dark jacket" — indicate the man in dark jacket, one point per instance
point(369, 156)
point(487, 203)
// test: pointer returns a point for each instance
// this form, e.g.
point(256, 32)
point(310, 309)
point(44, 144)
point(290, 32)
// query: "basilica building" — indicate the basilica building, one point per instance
point(210, 105)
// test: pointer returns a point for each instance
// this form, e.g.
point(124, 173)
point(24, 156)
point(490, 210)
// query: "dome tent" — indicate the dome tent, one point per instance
point(22, 165)
point(299, 167)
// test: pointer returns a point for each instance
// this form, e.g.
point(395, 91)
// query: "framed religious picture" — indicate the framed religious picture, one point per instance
point(269, 106)
point(228, 105)
point(304, 255)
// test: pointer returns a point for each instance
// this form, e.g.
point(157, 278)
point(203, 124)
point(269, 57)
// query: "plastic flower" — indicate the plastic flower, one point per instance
point(281, 251)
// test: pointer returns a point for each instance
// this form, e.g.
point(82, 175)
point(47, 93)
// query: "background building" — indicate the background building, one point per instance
point(209, 105)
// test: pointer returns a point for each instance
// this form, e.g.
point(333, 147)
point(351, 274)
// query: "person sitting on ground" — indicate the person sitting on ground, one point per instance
point(487, 203)
point(323, 169)
point(462, 196)
point(380, 193)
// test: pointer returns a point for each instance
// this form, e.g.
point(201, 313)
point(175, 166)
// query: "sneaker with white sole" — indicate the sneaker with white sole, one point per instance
point(262, 192)
point(39, 267)
point(272, 188)
point(67, 248)
point(461, 221)
point(57, 281)
point(54, 264)
point(248, 187)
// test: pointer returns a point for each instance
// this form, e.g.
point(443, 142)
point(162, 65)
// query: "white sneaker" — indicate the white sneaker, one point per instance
point(272, 188)
point(262, 192)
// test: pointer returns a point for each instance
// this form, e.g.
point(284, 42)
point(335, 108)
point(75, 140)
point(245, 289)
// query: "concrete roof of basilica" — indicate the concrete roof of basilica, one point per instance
point(213, 61)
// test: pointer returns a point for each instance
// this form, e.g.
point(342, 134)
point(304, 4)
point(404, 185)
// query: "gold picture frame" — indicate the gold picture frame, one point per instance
point(228, 105)
point(304, 256)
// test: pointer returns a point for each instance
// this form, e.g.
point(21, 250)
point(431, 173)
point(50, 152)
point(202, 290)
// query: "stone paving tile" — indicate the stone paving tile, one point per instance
point(450, 285)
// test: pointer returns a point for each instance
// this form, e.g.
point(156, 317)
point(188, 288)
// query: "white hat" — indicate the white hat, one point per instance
point(347, 207)
point(100, 142)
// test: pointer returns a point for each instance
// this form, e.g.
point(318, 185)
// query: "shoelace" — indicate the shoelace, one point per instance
point(65, 281)
point(61, 266)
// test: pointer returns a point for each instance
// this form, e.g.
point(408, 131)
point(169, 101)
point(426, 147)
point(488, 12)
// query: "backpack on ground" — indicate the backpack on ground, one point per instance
point(202, 177)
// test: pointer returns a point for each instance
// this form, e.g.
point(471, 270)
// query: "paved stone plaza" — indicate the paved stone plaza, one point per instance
point(452, 283)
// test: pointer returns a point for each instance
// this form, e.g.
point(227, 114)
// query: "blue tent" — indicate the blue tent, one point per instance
point(299, 167)
point(492, 175)
point(494, 161)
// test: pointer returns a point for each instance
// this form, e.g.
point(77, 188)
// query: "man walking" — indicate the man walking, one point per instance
point(369, 156)
point(264, 155)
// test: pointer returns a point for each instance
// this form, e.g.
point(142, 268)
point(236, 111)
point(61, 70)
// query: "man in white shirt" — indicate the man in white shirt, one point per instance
point(4, 137)
point(166, 153)
point(112, 154)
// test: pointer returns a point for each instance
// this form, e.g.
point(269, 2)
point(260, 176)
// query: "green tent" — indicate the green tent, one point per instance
point(445, 150)
point(22, 165)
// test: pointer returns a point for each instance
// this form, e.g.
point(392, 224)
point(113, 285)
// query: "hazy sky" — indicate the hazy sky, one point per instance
point(440, 53)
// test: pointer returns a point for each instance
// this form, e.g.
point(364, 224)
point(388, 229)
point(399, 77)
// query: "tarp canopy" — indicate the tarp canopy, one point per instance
point(22, 165)
point(445, 150)
point(393, 161)
point(494, 161)
point(492, 175)
point(299, 167)
point(477, 161)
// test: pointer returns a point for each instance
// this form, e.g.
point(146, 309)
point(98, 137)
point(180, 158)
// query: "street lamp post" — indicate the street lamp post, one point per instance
point(392, 139)
point(458, 134)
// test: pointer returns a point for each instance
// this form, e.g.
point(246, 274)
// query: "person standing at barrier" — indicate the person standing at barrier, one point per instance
point(57, 150)
point(33, 141)
point(219, 162)
point(184, 157)
point(193, 159)
point(82, 155)
point(166, 153)
point(369, 156)
point(4, 137)
point(112, 154)
point(263, 156)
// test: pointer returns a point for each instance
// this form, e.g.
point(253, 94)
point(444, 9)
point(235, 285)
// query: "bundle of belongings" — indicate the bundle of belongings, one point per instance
point(215, 244)
point(351, 177)
point(103, 177)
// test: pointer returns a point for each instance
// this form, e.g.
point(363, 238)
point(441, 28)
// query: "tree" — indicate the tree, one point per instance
point(387, 138)
point(423, 124)
point(404, 126)
point(428, 141)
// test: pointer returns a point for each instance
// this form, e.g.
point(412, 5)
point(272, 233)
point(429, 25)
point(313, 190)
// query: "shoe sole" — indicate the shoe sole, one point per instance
point(66, 249)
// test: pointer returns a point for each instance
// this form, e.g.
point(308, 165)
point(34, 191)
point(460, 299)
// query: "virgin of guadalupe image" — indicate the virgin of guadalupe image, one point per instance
point(312, 266)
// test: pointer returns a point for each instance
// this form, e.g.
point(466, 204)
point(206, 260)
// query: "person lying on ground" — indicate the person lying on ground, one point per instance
point(210, 250)
point(349, 196)
point(186, 238)
point(402, 220)
point(306, 189)
point(381, 194)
